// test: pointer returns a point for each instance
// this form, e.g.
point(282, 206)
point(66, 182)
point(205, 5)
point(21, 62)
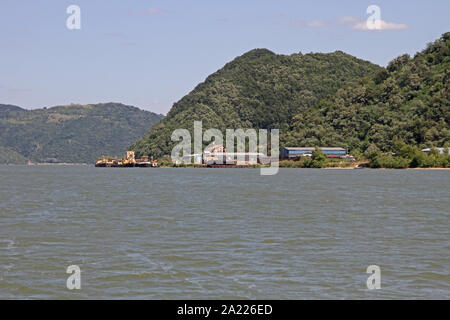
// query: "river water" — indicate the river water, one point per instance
point(223, 233)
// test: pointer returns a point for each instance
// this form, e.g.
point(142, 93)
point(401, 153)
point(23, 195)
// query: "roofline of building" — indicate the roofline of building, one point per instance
point(313, 148)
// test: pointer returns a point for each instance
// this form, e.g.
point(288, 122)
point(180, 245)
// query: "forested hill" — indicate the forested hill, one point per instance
point(74, 133)
point(408, 102)
point(259, 89)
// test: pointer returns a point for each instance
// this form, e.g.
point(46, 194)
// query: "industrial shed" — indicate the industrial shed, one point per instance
point(295, 152)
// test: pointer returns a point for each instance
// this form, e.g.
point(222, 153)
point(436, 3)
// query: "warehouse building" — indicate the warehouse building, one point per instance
point(295, 152)
point(236, 158)
point(440, 150)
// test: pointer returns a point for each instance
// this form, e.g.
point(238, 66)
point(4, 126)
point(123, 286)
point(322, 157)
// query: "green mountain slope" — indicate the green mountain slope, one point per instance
point(259, 89)
point(408, 101)
point(74, 133)
point(9, 156)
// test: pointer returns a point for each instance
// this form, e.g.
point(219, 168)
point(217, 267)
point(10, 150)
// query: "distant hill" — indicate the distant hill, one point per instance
point(259, 89)
point(73, 133)
point(408, 101)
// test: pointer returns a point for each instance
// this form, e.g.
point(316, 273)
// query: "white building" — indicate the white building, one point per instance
point(441, 150)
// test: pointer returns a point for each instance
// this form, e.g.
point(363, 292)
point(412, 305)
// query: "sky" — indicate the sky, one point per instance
point(150, 54)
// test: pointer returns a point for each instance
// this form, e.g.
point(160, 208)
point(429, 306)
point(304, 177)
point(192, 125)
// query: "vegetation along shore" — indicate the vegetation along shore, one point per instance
point(384, 117)
point(381, 117)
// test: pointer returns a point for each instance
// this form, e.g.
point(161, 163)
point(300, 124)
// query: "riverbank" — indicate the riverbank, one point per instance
point(353, 167)
point(45, 164)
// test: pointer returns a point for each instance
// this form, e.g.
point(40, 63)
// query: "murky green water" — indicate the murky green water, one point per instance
point(223, 233)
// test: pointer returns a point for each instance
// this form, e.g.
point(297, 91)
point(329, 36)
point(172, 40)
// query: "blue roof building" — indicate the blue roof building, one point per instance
point(294, 152)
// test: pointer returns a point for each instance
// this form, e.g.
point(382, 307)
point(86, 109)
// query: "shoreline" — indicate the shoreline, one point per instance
point(326, 168)
point(199, 167)
point(380, 168)
point(45, 164)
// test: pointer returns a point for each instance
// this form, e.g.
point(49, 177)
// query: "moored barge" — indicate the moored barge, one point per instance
point(127, 162)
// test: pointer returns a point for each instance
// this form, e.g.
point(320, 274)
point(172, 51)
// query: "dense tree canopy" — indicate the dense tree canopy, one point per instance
point(74, 133)
point(387, 114)
point(408, 101)
point(259, 89)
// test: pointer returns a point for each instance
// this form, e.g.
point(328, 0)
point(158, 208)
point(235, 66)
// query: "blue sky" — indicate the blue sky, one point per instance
point(151, 53)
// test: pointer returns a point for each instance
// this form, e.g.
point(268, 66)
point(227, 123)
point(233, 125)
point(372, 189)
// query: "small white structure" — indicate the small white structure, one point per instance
point(441, 150)
point(237, 158)
point(196, 158)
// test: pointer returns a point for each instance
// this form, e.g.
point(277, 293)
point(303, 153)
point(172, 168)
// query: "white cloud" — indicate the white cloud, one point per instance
point(349, 19)
point(383, 26)
point(358, 24)
point(314, 24)
point(309, 24)
point(151, 11)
